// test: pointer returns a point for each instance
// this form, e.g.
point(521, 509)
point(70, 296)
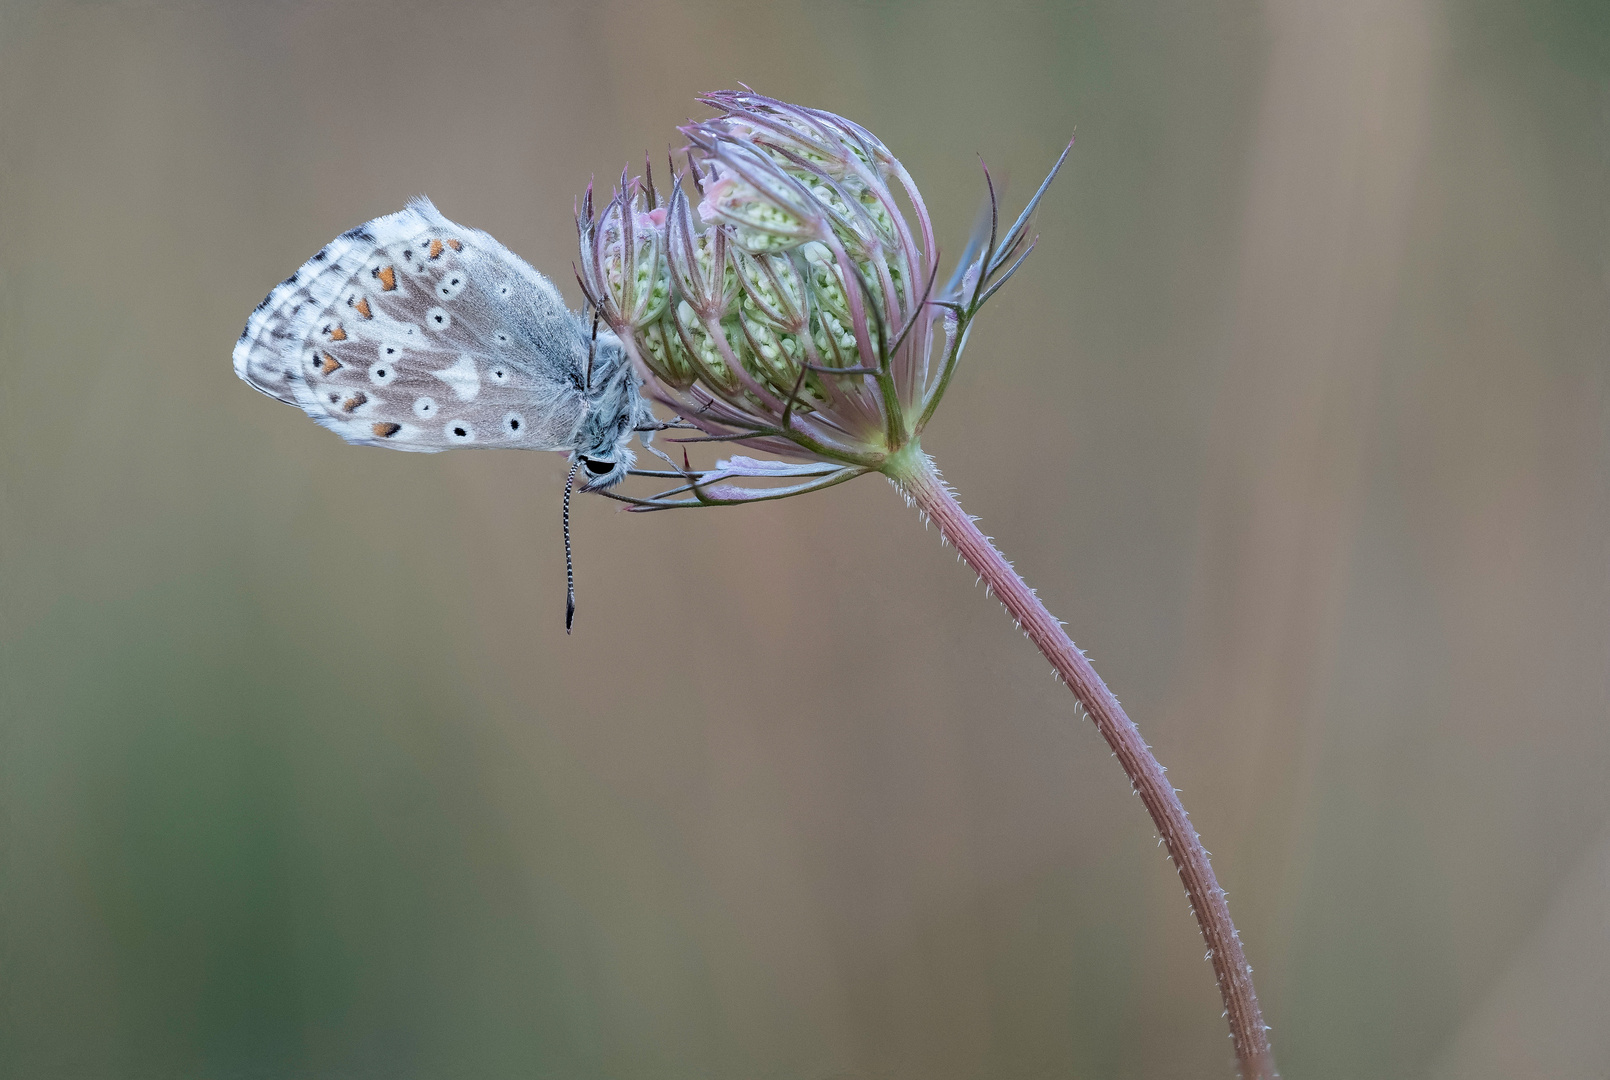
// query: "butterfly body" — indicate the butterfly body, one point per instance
point(415, 333)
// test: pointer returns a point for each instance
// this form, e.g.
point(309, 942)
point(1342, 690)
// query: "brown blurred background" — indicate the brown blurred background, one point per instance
point(1298, 416)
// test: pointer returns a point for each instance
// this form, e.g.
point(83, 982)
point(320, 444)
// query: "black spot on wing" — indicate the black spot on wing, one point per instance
point(261, 304)
point(360, 233)
point(324, 253)
point(292, 280)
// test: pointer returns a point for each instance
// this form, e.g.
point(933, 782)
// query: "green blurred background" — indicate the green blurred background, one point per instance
point(1300, 416)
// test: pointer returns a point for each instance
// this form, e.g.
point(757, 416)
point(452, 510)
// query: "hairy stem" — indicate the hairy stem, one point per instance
point(914, 473)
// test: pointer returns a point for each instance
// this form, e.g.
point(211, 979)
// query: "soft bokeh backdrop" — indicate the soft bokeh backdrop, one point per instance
point(1298, 416)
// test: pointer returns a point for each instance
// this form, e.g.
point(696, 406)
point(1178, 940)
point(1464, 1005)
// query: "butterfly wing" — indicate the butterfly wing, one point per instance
point(419, 334)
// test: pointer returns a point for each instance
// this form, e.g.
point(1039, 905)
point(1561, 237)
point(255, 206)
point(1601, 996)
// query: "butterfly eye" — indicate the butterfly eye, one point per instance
point(599, 468)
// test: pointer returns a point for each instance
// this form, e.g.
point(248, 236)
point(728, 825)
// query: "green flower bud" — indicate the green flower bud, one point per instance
point(699, 264)
point(774, 289)
point(771, 356)
point(623, 265)
point(660, 345)
point(760, 216)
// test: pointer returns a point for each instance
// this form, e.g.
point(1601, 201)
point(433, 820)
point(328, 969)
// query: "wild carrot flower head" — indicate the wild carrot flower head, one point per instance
point(790, 307)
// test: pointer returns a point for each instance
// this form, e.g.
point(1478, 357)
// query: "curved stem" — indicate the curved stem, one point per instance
point(916, 476)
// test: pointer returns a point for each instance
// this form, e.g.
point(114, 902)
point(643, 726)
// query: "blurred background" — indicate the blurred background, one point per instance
point(1298, 415)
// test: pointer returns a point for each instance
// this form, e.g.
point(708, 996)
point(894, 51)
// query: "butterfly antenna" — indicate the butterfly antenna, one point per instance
point(592, 348)
point(570, 569)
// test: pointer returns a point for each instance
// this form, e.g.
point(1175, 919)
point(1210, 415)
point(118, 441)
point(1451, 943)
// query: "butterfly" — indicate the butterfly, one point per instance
point(415, 333)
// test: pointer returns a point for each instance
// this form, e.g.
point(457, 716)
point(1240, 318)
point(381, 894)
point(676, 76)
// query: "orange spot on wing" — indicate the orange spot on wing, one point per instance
point(386, 431)
point(362, 308)
point(456, 245)
point(330, 364)
point(388, 277)
point(435, 249)
point(354, 401)
point(338, 334)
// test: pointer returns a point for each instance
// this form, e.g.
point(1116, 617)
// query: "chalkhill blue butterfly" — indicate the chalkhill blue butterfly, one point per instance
point(415, 333)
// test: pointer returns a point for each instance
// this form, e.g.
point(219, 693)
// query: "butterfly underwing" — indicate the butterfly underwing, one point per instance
point(415, 333)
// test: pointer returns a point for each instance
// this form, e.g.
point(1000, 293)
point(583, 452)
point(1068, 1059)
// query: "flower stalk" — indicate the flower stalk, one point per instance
point(917, 478)
point(792, 310)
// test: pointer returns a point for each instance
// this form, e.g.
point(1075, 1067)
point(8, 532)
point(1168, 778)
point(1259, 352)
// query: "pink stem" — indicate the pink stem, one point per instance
point(916, 476)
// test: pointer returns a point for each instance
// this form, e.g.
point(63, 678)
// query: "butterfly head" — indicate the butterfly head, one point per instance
point(612, 415)
point(603, 472)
